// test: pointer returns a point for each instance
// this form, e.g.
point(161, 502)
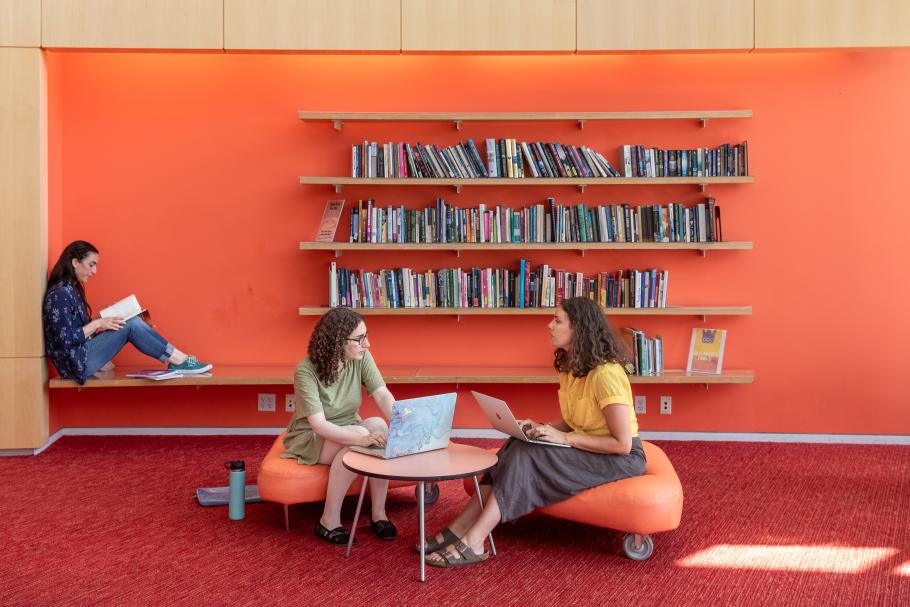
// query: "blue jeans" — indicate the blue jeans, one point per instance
point(104, 346)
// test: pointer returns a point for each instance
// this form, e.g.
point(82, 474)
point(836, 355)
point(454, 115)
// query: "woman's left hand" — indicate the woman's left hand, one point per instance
point(546, 432)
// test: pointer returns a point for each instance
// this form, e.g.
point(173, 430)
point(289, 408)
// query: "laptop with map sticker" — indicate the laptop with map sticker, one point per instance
point(416, 425)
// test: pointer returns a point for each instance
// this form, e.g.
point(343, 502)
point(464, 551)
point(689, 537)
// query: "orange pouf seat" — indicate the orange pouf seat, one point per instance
point(286, 482)
point(639, 506)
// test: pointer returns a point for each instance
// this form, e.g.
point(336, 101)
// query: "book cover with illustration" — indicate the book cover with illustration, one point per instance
point(706, 351)
point(329, 223)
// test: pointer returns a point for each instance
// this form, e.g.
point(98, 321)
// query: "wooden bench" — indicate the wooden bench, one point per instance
point(225, 375)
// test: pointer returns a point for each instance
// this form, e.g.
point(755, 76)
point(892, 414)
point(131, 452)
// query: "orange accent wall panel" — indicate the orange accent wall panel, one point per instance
point(183, 170)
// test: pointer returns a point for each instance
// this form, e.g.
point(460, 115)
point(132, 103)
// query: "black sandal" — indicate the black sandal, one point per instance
point(384, 529)
point(338, 536)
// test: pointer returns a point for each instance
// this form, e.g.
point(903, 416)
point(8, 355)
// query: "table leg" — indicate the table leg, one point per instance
point(422, 534)
point(363, 489)
point(480, 498)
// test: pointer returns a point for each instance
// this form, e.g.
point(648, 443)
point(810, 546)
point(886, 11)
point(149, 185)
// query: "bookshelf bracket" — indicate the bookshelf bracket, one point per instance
point(704, 317)
point(704, 123)
point(337, 124)
point(581, 188)
point(338, 252)
point(458, 188)
point(581, 124)
point(338, 187)
point(702, 187)
point(458, 125)
point(457, 252)
point(703, 252)
point(582, 251)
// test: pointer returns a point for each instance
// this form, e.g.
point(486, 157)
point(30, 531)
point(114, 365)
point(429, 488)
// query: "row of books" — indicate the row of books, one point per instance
point(494, 288)
point(647, 352)
point(539, 223)
point(727, 160)
point(509, 158)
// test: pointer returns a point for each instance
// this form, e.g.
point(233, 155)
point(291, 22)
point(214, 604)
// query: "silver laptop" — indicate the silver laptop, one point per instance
point(417, 425)
point(497, 411)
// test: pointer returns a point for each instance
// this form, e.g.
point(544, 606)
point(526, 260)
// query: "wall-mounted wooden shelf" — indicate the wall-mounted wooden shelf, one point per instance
point(482, 247)
point(457, 118)
point(703, 311)
point(580, 182)
point(284, 376)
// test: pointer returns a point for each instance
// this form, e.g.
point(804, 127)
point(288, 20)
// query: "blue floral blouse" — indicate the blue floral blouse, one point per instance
point(64, 316)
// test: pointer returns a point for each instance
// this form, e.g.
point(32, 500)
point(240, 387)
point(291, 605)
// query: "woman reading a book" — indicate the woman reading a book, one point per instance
point(598, 421)
point(79, 345)
point(326, 420)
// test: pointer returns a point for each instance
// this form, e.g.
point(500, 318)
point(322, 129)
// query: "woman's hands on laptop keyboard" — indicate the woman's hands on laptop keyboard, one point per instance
point(373, 439)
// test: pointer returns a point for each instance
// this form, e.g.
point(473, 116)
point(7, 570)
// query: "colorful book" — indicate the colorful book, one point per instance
point(329, 223)
point(706, 351)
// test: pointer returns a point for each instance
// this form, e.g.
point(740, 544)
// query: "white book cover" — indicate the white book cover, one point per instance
point(126, 308)
point(156, 374)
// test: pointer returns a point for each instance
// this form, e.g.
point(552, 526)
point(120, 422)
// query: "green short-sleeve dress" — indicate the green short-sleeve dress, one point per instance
point(340, 402)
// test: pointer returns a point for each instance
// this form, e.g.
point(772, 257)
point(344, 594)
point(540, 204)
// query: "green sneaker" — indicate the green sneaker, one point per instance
point(190, 366)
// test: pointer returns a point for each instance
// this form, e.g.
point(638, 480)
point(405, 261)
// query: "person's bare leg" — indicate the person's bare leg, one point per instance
point(340, 479)
point(379, 487)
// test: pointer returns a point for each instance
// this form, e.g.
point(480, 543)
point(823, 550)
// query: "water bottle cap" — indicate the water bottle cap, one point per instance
point(237, 464)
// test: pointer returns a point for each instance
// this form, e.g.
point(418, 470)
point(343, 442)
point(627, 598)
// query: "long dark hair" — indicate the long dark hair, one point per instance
point(327, 342)
point(63, 269)
point(594, 341)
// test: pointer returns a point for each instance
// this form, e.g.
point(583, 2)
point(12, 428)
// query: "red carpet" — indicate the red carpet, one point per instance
point(114, 521)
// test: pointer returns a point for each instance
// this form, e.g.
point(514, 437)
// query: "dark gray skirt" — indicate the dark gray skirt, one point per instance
point(529, 476)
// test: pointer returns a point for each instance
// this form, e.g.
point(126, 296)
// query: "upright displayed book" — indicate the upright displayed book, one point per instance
point(706, 351)
point(126, 308)
point(330, 217)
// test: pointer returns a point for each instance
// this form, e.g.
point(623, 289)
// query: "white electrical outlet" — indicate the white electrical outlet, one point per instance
point(289, 403)
point(666, 405)
point(641, 405)
point(266, 402)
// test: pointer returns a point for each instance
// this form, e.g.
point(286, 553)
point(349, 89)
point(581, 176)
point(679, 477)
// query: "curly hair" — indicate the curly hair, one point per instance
point(326, 348)
point(594, 341)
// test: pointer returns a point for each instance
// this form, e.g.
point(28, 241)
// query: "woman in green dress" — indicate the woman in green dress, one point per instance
point(326, 420)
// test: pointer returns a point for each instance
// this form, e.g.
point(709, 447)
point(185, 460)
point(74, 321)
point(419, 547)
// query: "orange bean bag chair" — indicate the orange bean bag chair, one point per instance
point(640, 506)
point(286, 482)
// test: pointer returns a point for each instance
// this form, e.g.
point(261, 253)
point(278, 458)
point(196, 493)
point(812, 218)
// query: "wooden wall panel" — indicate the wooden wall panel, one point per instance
point(23, 403)
point(488, 25)
point(370, 25)
point(178, 24)
point(831, 23)
point(620, 25)
point(20, 23)
point(23, 201)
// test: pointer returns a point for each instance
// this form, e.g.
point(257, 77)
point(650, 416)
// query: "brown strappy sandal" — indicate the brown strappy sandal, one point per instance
point(432, 545)
point(466, 556)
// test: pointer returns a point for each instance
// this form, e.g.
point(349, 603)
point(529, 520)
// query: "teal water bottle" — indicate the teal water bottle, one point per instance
point(236, 501)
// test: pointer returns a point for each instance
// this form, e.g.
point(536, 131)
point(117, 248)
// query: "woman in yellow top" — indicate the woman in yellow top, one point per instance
point(598, 421)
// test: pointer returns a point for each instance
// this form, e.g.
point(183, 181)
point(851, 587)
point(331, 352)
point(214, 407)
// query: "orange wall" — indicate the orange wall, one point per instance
point(182, 169)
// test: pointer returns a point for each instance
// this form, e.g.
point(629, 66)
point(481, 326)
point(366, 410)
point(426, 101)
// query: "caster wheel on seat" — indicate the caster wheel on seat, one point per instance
point(431, 493)
point(643, 552)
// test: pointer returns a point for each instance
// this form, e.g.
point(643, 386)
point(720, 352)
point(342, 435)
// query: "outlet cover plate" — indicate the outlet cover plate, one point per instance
point(641, 405)
point(266, 403)
point(666, 405)
point(289, 403)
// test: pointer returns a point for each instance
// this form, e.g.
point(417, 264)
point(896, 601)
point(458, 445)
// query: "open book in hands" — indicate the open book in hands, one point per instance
point(126, 308)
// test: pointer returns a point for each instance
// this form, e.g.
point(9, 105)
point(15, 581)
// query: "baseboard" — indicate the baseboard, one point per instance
point(744, 437)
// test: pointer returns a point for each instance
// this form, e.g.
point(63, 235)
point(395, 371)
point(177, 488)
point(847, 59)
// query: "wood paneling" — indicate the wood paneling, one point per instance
point(23, 403)
point(831, 23)
point(20, 23)
point(488, 25)
point(621, 25)
point(178, 24)
point(373, 25)
point(23, 201)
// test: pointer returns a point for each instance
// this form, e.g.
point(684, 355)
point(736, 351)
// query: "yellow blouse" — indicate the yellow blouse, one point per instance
point(582, 399)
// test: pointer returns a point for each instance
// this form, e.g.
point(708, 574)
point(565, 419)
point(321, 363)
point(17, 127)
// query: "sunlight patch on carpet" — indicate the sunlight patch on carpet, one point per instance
point(903, 569)
point(823, 559)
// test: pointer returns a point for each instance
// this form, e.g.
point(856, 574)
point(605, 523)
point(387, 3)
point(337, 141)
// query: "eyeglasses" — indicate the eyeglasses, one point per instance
point(359, 339)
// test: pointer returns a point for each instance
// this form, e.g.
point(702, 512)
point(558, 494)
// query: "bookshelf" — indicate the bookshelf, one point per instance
point(461, 375)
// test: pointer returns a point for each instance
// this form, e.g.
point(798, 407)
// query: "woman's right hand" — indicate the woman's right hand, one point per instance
point(373, 439)
point(527, 424)
point(111, 323)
